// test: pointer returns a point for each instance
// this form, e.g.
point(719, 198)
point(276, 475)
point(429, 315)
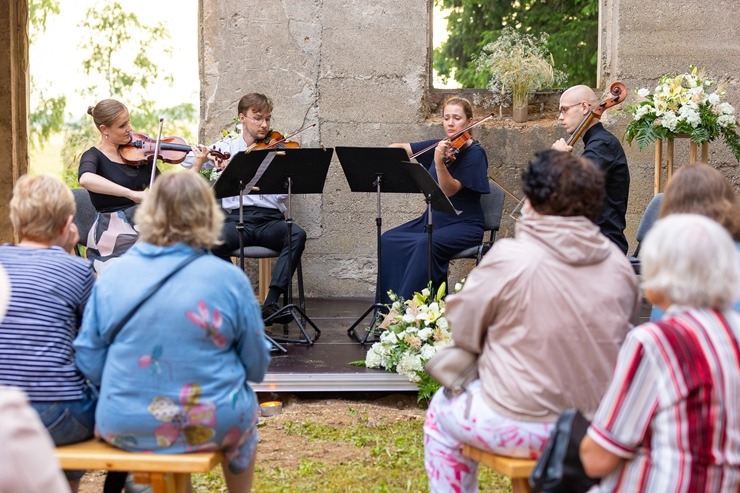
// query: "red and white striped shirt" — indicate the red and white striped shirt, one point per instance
point(672, 409)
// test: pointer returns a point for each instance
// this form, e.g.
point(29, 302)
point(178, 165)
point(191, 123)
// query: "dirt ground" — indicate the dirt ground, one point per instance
point(283, 452)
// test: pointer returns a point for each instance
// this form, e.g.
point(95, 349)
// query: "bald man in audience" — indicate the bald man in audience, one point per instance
point(605, 150)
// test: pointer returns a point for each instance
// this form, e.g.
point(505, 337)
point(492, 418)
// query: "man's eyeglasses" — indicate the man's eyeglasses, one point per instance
point(564, 109)
point(259, 119)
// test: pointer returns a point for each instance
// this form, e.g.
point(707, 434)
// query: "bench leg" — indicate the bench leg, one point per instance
point(169, 482)
point(520, 485)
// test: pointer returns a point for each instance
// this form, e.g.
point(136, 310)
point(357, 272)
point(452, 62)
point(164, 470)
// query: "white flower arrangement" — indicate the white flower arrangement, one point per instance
point(412, 332)
point(684, 104)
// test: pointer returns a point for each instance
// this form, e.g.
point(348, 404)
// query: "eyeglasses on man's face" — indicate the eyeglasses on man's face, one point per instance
point(564, 109)
point(259, 119)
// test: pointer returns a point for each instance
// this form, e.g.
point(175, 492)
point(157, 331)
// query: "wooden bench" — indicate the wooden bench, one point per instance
point(517, 469)
point(167, 473)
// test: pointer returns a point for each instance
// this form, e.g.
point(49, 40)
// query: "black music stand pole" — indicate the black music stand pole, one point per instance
point(291, 171)
point(435, 199)
point(221, 189)
point(375, 169)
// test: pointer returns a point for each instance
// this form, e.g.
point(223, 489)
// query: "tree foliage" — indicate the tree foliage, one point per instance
point(572, 26)
point(47, 117)
point(120, 52)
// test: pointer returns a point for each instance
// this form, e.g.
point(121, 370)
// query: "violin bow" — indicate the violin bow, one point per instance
point(156, 152)
point(453, 137)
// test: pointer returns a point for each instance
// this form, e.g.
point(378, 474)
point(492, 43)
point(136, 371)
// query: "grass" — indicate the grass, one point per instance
point(389, 459)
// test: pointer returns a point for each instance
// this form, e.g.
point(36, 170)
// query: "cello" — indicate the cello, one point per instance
point(617, 94)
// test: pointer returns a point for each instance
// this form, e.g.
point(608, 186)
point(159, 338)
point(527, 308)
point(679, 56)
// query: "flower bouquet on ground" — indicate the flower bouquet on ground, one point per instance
point(410, 334)
point(685, 104)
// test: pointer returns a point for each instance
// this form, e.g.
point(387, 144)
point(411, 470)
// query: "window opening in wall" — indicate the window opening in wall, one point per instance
point(468, 25)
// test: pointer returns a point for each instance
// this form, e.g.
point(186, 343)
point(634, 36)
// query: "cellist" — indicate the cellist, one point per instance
point(577, 104)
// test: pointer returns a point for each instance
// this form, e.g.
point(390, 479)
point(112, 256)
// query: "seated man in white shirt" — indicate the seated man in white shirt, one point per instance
point(264, 219)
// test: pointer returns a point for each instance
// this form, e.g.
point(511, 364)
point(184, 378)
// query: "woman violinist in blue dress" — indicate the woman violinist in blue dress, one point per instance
point(462, 173)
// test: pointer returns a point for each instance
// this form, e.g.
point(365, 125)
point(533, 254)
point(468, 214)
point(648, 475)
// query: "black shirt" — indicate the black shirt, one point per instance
point(605, 150)
point(132, 177)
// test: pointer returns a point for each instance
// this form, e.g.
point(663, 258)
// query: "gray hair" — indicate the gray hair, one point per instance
point(691, 260)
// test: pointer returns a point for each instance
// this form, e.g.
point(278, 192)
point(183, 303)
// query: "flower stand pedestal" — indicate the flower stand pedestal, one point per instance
point(693, 150)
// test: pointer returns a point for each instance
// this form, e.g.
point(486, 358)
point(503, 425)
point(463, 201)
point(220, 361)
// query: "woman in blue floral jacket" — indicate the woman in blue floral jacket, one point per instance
point(173, 378)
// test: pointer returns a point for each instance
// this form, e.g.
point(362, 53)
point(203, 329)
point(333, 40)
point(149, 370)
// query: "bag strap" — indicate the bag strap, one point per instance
point(151, 291)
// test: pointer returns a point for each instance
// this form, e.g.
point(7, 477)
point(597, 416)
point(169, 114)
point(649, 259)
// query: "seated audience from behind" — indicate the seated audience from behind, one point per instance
point(173, 378)
point(49, 289)
point(702, 189)
point(27, 461)
point(670, 419)
point(546, 311)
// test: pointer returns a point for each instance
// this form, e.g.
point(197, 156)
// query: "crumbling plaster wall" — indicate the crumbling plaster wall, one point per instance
point(361, 71)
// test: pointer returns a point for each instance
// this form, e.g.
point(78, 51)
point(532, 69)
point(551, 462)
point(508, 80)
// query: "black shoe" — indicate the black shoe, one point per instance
point(269, 309)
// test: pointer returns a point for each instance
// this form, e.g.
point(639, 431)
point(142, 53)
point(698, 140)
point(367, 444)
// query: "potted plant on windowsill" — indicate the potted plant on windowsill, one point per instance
point(519, 64)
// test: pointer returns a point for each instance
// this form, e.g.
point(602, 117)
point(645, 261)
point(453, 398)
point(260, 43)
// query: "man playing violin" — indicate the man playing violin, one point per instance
point(264, 219)
point(604, 150)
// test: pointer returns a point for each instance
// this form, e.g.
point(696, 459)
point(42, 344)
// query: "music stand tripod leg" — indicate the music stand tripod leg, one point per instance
point(275, 345)
point(290, 307)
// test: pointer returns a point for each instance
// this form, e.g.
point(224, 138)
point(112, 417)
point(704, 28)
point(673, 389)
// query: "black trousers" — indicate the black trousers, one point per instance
point(266, 228)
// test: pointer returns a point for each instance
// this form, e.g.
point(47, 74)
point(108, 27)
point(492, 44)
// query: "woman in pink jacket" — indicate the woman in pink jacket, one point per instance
point(546, 312)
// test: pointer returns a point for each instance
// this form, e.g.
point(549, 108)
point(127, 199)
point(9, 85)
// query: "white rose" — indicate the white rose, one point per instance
point(726, 121)
point(643, 92)
point(372, 359)
point(669, 120)
point(726, 109)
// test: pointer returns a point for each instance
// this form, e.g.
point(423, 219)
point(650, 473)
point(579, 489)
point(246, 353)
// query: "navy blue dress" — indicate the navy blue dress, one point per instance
point(404, 249)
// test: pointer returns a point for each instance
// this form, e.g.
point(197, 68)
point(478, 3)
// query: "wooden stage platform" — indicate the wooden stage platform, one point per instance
point(325, 365)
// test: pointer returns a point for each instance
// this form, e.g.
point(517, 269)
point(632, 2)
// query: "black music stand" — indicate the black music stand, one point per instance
point(234, 179)
point(375, 169)
point(434, 197)
point(287, 171)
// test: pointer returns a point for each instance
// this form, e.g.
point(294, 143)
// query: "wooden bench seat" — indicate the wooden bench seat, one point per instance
point(517, 469)
point(167, 473)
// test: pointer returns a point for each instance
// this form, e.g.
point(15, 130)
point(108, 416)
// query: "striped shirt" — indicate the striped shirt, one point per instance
point(49, 289)
point(672, 409)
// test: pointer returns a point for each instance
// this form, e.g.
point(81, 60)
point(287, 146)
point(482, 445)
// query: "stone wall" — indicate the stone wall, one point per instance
point(361, 70)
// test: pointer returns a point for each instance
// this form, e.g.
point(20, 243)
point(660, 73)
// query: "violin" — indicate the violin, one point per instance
point(276, 140)
point(457, 142)
point(140, 150)
point(454, 149)
point(617, 94)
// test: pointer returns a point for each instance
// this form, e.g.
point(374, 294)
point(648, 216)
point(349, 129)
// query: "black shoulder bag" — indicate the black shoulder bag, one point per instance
point(151, 291)
point(559, 468)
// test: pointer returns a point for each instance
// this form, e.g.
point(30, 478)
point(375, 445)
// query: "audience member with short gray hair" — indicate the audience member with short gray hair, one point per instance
point(669, 420)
